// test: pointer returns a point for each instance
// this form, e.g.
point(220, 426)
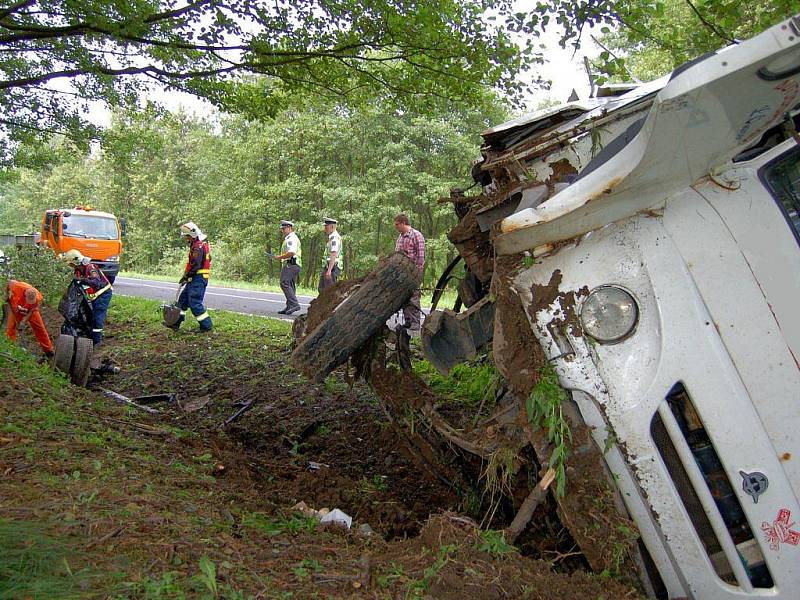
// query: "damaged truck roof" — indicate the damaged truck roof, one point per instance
point(703, 115)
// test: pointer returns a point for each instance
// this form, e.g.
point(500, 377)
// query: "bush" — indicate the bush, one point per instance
point(38, 267)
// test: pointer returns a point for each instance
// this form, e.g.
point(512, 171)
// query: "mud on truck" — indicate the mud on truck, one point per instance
point(643, 250)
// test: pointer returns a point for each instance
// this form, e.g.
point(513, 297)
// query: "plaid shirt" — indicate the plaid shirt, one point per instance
point(412, 244)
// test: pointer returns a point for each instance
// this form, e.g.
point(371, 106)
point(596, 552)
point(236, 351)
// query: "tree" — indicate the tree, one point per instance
point(110, 50)
point(237, 178)
point(650, 38)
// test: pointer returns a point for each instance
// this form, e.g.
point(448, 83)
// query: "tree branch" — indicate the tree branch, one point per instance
point(101, 70)
point(14, 8)
point(710, 26)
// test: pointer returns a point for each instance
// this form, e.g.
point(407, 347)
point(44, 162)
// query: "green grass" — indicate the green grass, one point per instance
point(468, 383)
point(139, 313)
point(36, 564)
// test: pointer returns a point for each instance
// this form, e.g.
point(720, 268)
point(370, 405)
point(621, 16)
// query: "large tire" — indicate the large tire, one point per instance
point(63, 352)
point(382, 293)
point(84, 349)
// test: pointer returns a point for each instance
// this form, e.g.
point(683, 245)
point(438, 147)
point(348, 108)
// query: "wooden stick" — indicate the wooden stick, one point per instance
point(528, 507)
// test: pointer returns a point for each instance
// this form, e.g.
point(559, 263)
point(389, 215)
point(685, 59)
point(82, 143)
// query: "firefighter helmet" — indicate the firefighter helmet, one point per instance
point(193, 231)
point(74, 258)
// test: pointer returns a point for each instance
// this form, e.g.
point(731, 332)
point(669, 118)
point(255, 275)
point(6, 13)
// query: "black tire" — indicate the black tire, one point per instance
point(84, 349)
point(63, 352)
point(381, 294)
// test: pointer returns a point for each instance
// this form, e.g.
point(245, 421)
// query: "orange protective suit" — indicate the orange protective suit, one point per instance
point(20, 308)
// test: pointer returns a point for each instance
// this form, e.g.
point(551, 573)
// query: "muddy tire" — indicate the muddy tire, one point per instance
point(382, 293)
point(63, 351)
point(84, 349)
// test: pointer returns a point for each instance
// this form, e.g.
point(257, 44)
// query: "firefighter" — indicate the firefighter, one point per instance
point(97, 287)
point(195, 276)
point(23, 302)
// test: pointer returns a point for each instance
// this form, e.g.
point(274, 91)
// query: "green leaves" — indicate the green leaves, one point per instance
point(412, 55)
point(543, 408)
point(208, 574)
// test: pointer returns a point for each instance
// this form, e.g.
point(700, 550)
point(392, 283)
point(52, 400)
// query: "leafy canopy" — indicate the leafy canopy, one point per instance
point(110, 50)
point(649, 38)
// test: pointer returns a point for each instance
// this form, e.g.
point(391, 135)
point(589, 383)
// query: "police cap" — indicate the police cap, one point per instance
point(329, 221)
point(287, 224)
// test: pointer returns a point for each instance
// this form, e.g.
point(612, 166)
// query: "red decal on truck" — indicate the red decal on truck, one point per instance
point(779, 531)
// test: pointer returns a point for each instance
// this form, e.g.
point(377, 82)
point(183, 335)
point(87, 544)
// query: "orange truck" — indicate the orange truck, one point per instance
point(95, 234)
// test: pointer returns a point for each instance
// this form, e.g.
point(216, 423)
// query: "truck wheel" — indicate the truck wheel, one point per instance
point(382, 293)
point(84, 349)
point(63, 351)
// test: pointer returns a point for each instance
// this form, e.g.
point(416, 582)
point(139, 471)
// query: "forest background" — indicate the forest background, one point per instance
point(302, 155)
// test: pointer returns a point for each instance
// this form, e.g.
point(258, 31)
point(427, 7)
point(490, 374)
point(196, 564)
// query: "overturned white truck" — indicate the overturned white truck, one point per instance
point(647, 246)
point(664, 226)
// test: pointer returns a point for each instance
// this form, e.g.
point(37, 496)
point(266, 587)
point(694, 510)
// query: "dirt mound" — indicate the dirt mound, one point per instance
point(453, 559)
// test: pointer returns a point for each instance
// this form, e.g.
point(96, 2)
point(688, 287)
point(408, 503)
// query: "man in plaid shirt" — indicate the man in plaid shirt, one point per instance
point(411, 243)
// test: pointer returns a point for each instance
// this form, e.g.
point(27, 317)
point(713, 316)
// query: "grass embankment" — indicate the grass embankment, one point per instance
point(99, 500)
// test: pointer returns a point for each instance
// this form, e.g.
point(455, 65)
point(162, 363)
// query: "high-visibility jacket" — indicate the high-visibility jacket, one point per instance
point(199, 262)
point(17, 297)
point(291, 243)
point(93, 279)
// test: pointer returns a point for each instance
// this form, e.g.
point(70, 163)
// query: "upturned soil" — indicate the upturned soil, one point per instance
point(139, 501)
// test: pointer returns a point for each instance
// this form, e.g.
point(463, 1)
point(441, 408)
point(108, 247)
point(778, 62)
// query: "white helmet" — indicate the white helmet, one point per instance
point(75, 258)
point(193, 231)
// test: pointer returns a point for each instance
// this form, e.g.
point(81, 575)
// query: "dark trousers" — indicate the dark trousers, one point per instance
point(323, 283)
point(192, 298)
point(412, 312)
point(289, 276)
point(100, 310)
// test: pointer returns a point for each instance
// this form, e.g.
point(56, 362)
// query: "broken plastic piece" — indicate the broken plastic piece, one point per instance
point(338, 516)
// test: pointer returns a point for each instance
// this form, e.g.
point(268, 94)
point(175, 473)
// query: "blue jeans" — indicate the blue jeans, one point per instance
point(100, 310)
point(192, 298)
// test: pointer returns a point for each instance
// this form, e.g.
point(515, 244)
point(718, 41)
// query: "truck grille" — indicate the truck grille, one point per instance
point(707, 493)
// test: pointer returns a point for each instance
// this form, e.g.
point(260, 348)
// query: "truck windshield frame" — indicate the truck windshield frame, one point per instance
point(781, 177)
point(90, 227)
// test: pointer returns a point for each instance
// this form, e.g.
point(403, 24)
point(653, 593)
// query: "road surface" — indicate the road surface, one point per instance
point(242, 301)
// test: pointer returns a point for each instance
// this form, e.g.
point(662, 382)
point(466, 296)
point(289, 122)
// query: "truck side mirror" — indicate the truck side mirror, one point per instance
point(123, 226)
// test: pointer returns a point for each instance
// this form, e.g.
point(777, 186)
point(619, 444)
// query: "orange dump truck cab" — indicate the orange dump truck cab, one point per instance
point(94, 233)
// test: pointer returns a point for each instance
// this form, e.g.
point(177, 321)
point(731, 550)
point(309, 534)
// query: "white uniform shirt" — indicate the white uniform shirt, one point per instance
point(291, 243)
point(334, 245)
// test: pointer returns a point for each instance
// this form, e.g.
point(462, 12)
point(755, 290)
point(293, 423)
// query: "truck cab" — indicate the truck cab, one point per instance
point(662, 232)
point(94, 233)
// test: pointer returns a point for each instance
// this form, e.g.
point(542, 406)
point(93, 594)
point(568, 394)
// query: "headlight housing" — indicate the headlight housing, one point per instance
point(609, 314)
point(113, 258)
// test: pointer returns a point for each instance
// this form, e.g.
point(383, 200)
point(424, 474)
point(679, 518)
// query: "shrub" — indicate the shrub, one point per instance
point(39, 267)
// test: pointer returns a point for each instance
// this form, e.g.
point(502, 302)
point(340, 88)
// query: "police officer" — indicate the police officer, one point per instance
point(333, 262)
point(291, 262)
point(97, 287)
point(195, 276)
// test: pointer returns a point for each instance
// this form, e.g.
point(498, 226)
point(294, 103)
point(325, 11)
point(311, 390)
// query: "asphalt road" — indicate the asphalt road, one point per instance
point(242, 301)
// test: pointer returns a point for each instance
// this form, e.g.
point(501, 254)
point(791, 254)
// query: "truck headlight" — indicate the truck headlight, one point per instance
point(609, 314)
point(113, 258)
